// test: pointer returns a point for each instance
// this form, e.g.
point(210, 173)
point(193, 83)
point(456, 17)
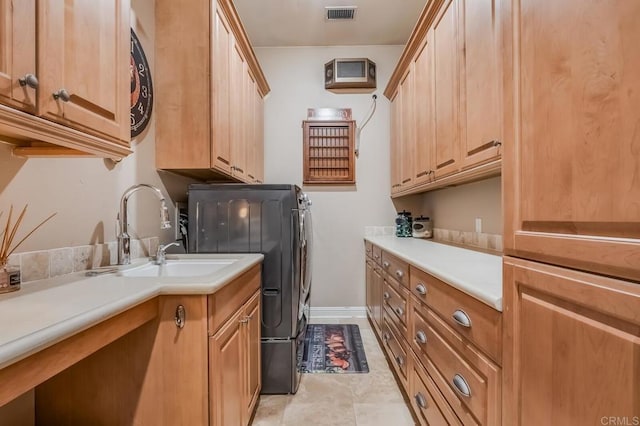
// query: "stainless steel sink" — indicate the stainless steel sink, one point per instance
point(178, 268)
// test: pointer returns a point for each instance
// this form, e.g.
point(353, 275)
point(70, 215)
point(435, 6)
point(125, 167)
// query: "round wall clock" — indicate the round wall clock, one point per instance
point(141, 88)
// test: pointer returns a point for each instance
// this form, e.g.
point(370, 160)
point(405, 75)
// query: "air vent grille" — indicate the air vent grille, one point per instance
point(340, 13)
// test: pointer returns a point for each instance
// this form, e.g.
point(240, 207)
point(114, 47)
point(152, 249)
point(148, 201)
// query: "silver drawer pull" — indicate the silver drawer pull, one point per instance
point(420, 400)
point(461, 386)
point(386, 295)
point(180, 316)
point(386, 264)
point(421, 337)
point(462, 318)
point(385, 337)
point(399, 360)
point(376, 256)
point(421, 289)
point(399, 273)
point(399, 311)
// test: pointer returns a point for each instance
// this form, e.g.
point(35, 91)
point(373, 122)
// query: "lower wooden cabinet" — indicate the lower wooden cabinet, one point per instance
point(450, 373)
point(197, 363)
point(234, 370)
point(572, 347)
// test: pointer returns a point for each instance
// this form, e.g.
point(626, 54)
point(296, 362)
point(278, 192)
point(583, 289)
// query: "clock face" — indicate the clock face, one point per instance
point(141, 88)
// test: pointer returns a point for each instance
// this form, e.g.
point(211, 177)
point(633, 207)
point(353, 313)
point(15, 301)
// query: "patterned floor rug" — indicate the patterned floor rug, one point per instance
point(333, 348)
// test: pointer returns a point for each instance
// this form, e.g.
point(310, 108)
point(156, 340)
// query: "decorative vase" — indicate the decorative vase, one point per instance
point(9, 278)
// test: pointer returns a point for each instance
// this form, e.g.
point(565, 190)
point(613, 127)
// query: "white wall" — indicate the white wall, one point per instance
point(339, 213)
point(86, 192)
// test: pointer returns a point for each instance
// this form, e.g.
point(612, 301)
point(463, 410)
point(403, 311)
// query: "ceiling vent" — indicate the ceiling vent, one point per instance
point(340, 13)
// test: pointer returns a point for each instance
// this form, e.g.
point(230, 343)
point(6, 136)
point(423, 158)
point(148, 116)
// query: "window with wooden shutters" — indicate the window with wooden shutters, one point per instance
point(329, 152)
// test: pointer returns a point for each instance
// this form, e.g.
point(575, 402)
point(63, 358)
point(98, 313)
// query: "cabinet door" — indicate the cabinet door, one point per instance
point(424, 112)
point(395, 146)
point(227, 357)
point(446, 147)
point(250, 127)
point(259, 122)
point(407, 142)
point(369, 287)
point(572, 185)
point(18, 53)
point(83, 58)
point(480, 78)
point(378, 284)
point(220, 58)
point(572, 353)
point(253, 372)
point(237, 80)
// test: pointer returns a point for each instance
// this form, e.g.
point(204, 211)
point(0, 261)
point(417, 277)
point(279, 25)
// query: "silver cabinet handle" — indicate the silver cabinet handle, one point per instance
point(29, 80)
point(461, 386)
point(386, 295)
point(386, 264)
point(62, 94)
point(495, 142)
point(421, 289)
point(181, 316)
point(385, 337)
point(399, 273)
point(244, 320)
point(399, 360)
point(420, 400)
point(461, 317)
point(421, 337)
point(377, 256)
point(368, 250)
point(399, 311)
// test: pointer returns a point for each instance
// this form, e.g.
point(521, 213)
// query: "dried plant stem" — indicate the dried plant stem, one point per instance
point(29, 234)
point(5, 236)
point(13, 232)
point(9, 233)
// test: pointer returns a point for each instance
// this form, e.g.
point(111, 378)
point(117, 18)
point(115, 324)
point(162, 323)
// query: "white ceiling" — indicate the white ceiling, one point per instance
point(302, 22)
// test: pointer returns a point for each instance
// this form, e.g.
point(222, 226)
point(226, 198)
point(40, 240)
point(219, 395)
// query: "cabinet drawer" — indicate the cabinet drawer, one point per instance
point(377, 254)
point(395, 350)
point(471, 318)
point(396, 268)
point(430, 406)
point(226, 301)
point(395, 300)
point(473, 378)
point(418, 330)
point(368, 249)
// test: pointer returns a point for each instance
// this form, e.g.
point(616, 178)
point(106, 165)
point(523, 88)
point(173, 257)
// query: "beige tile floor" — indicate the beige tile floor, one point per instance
point(371, 399)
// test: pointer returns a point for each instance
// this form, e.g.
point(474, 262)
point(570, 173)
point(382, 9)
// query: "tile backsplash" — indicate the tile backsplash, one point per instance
point(471, 239)
point(42, 264)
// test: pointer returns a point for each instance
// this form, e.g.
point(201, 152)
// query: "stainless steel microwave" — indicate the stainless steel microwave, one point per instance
point(345, 73)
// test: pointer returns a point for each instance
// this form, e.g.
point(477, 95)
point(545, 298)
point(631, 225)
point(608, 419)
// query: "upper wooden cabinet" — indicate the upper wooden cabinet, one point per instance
point(208, 111)
point(446, 93)
point(395, 144)
point(18, 54)
point(572, 183)
point(77, 96)
point(453, 120)
point(424, 111)
point(480, 82)
point(407, 141)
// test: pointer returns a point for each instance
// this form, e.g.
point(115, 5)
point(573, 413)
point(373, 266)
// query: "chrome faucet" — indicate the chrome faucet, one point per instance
point(161, 254)
point(124, 241)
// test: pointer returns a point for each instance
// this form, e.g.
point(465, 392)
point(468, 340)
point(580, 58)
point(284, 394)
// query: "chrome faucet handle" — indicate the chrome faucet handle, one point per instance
point(161, 253)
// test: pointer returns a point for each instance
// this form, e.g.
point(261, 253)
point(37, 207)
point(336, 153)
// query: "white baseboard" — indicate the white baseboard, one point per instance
point(338, 312)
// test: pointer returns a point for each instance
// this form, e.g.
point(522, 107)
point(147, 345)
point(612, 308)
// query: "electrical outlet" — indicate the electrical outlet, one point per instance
point(478, 225)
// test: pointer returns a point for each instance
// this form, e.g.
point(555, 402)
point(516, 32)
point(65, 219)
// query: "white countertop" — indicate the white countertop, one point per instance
point(46, 312)
point(475, 273)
